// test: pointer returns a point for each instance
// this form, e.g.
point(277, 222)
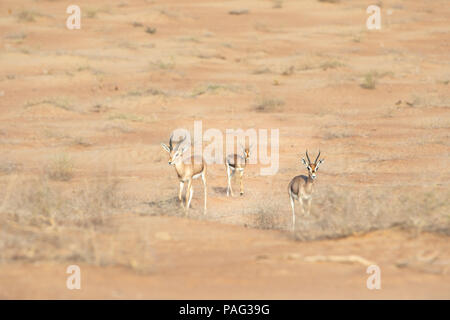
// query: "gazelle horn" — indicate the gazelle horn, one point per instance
point(317, 157)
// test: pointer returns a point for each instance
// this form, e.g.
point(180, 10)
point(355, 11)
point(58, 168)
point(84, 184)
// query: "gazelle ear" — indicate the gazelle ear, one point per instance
point(165, 147)
point(304, 162)
point(184, 148)
point(320, 161)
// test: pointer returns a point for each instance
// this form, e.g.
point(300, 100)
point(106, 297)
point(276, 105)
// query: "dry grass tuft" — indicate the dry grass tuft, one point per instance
point(60, 168)
point(332, 64)
point(163, 65)
point(267, 216)
point(150, 30)
point(213, 88)
point(238, 12)
point(369, 81)
point(269, 105)
point(27, 16)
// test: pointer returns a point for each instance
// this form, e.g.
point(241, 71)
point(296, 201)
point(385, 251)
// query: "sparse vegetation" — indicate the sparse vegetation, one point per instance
point(60, 168)
point(150, 91)
point(41, 222)
point(335, 215)
point(428, 100)
point(333, 64)
point(269, 105)
point(262, 70)
point(338, 134)
point(127, 117)
point(16, 36)
point(27, 16)
point(91, 13)
point(163, 65)
point(79, 141)
point(137, 24)
point(371, 78)
point(212, 88)
point(267, 216)
point(238, 12)
point(62, 103)
point(369, 81)
point(117, 126)
point(150, 30)
point(356, 38)
point(261, 27)
point(288, 71)
point(277, 4)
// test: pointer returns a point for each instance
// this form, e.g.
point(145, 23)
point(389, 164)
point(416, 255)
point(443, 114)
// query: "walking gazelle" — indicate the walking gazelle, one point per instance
point(186, 170)
point(237, 162)
point(302, 187)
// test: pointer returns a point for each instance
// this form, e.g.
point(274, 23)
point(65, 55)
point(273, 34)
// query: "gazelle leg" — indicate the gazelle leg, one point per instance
point(181, 192)
point(293, 211)
point(229, 174)
point(189, 193)
point(228, 181)
point(309, 207)
point(190, 196)
point(301, 204)
point(241, 174)
point(205, 189)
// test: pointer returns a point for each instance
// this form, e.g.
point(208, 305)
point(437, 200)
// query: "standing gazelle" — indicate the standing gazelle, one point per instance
point(186, 171)
point(237, 162)
point(302, 187)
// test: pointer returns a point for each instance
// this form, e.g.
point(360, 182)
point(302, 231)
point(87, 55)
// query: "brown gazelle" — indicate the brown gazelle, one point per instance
point(237, 162)
point(301, 187)
point(186, 170)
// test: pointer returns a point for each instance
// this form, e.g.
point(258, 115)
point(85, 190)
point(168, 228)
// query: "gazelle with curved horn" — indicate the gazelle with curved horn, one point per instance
point(236, 162)
point(186, 170)
point(301, 187)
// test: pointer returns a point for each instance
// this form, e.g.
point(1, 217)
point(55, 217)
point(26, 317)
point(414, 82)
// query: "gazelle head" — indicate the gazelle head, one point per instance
point(246, 151)
point(312, 167)
point(175, 153)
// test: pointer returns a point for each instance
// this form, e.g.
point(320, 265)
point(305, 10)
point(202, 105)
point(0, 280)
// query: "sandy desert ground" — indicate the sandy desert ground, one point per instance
point(84, 180)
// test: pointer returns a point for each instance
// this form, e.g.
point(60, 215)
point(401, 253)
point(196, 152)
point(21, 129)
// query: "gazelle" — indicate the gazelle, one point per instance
point(302, 187)
point(194, 168)
point(237, 162)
